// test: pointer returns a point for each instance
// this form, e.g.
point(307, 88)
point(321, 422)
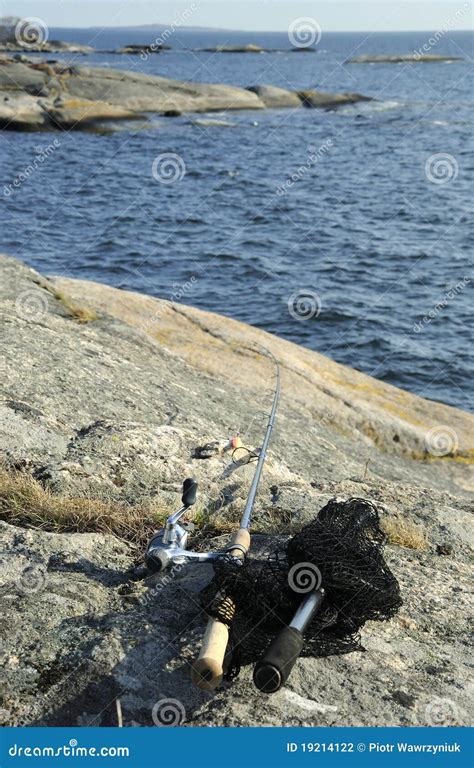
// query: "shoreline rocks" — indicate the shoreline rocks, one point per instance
point(30, 35)
point(51, 46)
point(147, 48)
point(321, 99)
point(405, 58)
point(248, 48)
point(253, 48)
point(41, 95)
point(276, 98)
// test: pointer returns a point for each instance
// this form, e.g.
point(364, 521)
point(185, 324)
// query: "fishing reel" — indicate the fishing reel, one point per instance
point(168, 545)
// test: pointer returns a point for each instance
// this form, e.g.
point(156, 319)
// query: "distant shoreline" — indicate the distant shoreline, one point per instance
point(153, 27)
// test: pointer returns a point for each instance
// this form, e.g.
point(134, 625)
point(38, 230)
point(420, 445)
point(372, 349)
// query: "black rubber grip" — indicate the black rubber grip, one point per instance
point(273, 669)
point(189, 491)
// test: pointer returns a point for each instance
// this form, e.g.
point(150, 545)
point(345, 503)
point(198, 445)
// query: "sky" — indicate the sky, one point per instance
point(256, 15)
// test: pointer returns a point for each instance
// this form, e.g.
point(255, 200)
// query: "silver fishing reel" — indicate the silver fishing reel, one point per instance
point(168, 545)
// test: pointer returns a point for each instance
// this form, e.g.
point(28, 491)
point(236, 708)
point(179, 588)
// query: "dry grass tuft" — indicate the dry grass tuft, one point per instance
point(23, 501)
point(403, 533)
point(81, 314)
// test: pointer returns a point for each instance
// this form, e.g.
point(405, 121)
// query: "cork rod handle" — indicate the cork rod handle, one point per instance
point(208, 669)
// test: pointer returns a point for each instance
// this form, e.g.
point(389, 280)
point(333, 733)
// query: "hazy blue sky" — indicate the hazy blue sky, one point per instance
point(248, 14)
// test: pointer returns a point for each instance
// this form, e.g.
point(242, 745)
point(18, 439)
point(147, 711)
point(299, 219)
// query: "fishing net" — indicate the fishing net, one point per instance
point(341, 550)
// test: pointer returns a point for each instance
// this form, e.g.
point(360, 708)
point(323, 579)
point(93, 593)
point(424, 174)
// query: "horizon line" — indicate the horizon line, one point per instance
point(257, 31)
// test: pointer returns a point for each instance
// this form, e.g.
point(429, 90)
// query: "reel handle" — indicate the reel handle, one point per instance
point(273, 669)
point(208, 669)
point(190, 487)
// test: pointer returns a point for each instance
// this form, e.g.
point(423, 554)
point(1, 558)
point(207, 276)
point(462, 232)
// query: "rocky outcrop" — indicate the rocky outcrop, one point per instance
point(116, 409)
point(253, 48)
point(134, 49)
point(248, 48)
point(30, 35)
point(321, 99)
point(30, 91)
point(19, 110)
point(276, 98)
point(41, 95)
point(410, 58)
point(143, 93)
point(51, 46)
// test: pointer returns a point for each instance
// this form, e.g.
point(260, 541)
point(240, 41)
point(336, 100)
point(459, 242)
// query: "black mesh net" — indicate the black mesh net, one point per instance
point(341, 550)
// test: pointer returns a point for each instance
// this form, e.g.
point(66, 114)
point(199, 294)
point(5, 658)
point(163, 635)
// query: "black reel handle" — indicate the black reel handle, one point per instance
point(190, 487)
point(274, 668)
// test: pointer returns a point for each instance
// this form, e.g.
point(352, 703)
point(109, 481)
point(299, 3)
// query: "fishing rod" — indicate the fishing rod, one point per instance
point(208, 669)
point(168, 547)
point(311, 596)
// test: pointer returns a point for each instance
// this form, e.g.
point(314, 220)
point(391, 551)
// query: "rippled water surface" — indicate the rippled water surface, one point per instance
point(380, 248)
